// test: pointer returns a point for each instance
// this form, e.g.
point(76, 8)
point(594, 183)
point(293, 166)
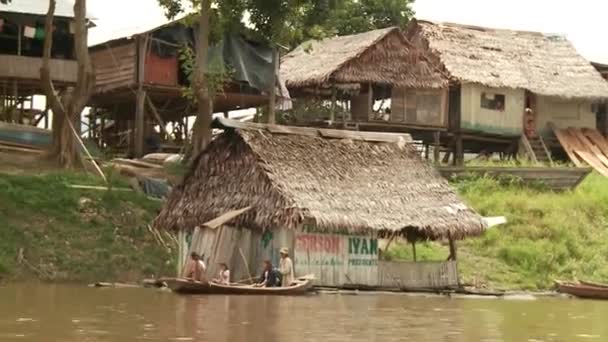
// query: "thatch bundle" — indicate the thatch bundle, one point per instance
point(289, 176)
point(381, 57)
point(541, 63)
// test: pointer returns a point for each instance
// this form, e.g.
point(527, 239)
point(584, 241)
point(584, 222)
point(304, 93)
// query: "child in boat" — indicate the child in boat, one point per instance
point(224, 275)
point(270, 276)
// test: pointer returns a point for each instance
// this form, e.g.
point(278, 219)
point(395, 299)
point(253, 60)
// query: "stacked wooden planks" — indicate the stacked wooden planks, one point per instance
point(585, 146)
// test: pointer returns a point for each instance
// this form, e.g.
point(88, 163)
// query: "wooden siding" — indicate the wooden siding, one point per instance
point(556, 178)
point(417, 274)
point(337, 260)
point(115, 67)
point(28, 68)
point(225, 244)
point(419, 107)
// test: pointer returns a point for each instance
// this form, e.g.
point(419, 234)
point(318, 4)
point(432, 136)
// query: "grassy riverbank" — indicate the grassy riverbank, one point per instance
point(548, 235)
point(53, 232)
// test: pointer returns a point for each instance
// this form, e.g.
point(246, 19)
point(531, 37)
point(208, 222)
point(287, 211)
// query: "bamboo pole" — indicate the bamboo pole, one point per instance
point(246, 264)
point(86, 150)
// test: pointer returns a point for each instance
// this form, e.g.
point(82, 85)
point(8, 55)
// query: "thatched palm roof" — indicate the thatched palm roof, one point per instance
point(368, 182)
point(541, 63)
point(380, 57)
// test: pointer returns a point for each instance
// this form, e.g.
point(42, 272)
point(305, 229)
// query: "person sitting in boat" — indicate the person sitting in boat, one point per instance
point(224, 275)
point(196, 269)
point(286, 268)
point(270, 276)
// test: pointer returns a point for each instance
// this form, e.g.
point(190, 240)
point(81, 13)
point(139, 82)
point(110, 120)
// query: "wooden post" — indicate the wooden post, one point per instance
point(370, 101)
point(453, 251)
point(46, 114)
point(436, 146)
point(226, 114)
point(272, 100)
point(139, 122)
point(426, 151)
point(19, 34)
point(140, 98)
point(414, 251)
point(332, 114)
point(459, 150)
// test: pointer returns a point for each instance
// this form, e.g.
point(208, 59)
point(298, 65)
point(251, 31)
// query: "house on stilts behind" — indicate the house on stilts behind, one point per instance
point(141, 78)
point(466, 89)
point(21, 49)
point(332, 197)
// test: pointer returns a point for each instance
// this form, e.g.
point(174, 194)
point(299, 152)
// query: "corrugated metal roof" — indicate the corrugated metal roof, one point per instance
point(64, 8)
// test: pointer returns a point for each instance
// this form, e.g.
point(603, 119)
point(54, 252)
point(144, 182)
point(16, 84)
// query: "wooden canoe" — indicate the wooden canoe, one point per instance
point(582, 291)
point(185, 286)
point(590, 283)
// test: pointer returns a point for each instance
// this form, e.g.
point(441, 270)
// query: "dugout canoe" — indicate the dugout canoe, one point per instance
point(185, 286)
point(582, 290)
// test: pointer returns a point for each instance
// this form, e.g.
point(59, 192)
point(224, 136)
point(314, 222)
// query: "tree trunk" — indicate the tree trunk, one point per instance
point(201, 130)
point(70, 106)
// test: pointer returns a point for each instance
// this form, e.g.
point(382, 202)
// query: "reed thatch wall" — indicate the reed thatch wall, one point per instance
point(381, 57)
point(544, 64)
point(343, 185)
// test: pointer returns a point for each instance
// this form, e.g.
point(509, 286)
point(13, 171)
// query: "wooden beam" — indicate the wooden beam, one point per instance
point(139, 123)
point(436, 146)
point(272, 100)
point(159, 119)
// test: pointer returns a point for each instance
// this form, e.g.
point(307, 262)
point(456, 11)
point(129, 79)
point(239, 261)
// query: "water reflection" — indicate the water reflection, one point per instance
point(68, 313)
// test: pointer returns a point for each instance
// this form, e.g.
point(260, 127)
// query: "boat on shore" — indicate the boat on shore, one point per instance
point(582, 290)
point(300, 286)
point(590, 283)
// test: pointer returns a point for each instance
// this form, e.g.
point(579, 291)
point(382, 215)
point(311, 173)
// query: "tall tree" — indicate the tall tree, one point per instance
point(68, 107)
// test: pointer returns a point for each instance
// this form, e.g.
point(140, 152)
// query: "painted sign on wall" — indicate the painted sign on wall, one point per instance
point(337, 260)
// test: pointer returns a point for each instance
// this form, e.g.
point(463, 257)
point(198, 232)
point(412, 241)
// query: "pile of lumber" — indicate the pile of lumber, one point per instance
point(585, 146)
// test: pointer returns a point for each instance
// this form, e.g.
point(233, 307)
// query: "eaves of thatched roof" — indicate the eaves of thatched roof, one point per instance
point(381, 57)
point(544, 64)
point(342, 181)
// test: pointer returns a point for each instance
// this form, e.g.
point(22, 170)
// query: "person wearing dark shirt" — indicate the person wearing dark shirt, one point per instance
point(270, 276)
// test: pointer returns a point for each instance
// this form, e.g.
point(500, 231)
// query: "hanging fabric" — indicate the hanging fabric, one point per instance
point(33, 32)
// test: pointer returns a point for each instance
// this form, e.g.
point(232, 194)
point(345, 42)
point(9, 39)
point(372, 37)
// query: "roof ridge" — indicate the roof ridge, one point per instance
point(326, 133)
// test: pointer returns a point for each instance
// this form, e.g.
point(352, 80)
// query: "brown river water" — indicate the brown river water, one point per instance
point(34, 312)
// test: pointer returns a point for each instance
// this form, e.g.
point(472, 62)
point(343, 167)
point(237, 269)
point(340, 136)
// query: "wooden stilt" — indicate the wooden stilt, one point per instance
point(459, 151)
point(139, 122)
point(453, 251)
point(436, 146)
point(272, 97)
point(426, 151)
point(414, 251)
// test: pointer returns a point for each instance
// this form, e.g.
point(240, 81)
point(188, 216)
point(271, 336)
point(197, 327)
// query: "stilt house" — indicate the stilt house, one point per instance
point(21, 48)
point(327, 195)
point(468, 89)
point(140, 80)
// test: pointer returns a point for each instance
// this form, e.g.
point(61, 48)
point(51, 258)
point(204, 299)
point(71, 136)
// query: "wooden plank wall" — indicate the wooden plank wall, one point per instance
point(235, 245)
point(23, 67)
point(115, 67)
point(393, 274)
point(337, 260)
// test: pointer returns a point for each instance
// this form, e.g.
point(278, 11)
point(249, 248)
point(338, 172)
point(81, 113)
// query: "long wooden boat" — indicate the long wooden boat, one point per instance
point(186, 286)
point(590, 283)
point(582, 290)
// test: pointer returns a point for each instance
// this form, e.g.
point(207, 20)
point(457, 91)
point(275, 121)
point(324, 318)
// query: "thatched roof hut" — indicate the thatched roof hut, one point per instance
point(379, 57)
point(340, 181)
point(545, 64)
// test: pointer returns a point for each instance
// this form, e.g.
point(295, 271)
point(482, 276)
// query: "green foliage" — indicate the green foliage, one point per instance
point(70, 234)
point(548, 236)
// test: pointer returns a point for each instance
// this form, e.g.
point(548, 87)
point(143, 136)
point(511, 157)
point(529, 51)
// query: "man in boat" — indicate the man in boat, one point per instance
point(195, 269)
point(270, 276)
point(286, 268)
